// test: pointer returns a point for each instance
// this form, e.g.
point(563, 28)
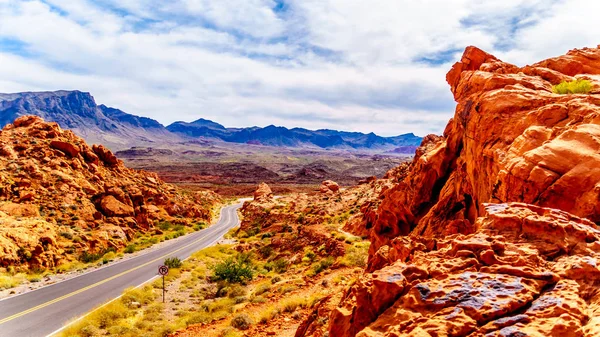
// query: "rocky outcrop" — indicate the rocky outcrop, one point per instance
point(83, 198)
point(329, 186)
point(110, 206)
point(263, 193)
point(491, 231)
point(525, 271)
point(511, 139)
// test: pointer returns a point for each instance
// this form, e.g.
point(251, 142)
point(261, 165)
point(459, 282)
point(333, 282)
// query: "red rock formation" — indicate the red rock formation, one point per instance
point(526, 271)
point(329, 186)
point(263, 193)
point(511, 139)
point(444, 262)
point(52, 182)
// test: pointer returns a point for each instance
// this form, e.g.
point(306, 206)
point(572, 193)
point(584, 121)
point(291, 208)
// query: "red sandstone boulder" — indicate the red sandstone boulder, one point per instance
point(110, 206)
point(65, 147)
point(263, 193)
point(105, 155)
point(329, 186)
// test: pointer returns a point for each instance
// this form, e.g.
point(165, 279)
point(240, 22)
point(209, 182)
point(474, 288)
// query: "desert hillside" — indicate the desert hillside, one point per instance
point(62, 200)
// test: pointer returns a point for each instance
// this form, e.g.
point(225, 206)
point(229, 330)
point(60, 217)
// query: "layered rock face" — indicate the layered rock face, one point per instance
point(60, 197)
point(511, 139)
point(492, 229)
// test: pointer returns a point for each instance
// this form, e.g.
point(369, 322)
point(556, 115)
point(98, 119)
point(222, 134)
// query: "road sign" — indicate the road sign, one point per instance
point(163, 270)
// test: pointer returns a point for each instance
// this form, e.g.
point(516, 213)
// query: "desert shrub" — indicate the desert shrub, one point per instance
point(265, 251)
point(66, 235)
point(258, 299)
point(573, 87)
point(253, 231)
point(281, 265)
point(173, 262)
point(229, 332)
point(199, 226)
point(164, 225)
point(199, 317)
point(322, 265)
point(268, 314)
point(262, 288)
point(267, 235)
point(143, 296)
point(10, 281)
point(233, 270)
point(236, 291)
point(130, 249)
point(291, 304)
point(356, 256)
point(108, 314)
point(24, 254)
point(242, 322)
point(89, 331)
point(275, 279)
point(309, 254)
point(287, 288)
point(86, 257)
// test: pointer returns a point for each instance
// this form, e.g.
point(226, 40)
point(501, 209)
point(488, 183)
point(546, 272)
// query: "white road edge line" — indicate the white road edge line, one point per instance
point(116, 298)
point(114, 264)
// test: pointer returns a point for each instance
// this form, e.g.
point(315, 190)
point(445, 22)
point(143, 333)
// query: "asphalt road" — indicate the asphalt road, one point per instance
point(43, 311)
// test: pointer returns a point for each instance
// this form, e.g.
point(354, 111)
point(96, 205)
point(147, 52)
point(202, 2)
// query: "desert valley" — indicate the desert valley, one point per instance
point(489, 230)
point(293, 169)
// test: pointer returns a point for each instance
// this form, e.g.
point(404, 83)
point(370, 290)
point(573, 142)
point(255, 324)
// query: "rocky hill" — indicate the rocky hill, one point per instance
point(60, 198)
point(78, 111)
point(493, 230)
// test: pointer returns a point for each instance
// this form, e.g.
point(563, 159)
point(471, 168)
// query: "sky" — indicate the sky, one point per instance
point(355, 65)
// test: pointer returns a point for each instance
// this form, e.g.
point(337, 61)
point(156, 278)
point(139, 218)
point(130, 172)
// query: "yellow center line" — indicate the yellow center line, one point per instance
point(28, 311)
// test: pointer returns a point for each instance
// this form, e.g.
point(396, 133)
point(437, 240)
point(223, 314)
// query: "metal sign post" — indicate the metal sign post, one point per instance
point(163, 270)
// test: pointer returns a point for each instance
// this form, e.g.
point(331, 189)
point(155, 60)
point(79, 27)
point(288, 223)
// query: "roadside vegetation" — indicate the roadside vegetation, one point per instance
point(234, 291)
point(573, 87)
point(163, 231)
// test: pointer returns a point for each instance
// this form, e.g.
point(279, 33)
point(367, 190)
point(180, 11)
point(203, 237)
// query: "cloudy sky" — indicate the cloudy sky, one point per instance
point(356, 65)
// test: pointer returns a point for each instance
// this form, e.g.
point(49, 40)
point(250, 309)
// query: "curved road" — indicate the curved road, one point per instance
point(43, 311)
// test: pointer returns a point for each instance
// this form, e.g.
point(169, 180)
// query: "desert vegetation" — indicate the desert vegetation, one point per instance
point(220, 287)
point(163, 231)
point(252, 287)
point(578, 86)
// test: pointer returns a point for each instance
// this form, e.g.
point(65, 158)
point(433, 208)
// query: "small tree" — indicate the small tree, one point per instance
point(234, 270)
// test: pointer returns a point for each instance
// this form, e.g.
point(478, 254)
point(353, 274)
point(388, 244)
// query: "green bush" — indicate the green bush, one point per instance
point(323, 265)
point(173, 262)
point(234, 270)
point(130, 249)
point(573, 87)
point(164, 225)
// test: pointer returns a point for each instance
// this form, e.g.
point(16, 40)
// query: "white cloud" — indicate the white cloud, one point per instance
point(343, 64)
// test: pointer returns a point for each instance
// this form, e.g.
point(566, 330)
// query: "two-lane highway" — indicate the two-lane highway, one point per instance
point(43, 311)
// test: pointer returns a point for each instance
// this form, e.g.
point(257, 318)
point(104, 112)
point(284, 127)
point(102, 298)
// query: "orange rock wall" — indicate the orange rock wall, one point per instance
point(492, 230)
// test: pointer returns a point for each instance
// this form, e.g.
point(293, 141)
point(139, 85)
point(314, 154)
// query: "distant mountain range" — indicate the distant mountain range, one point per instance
point(78, 111)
